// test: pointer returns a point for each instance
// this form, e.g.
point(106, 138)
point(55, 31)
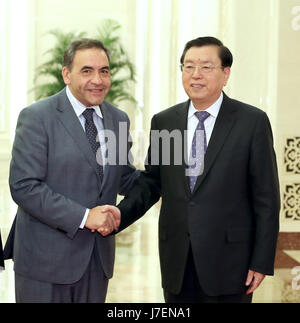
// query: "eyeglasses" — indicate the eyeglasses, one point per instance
point(205, 69)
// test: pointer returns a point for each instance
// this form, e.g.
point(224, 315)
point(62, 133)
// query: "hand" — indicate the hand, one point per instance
point(104, 219)
point(116, 214)
point(254, 279)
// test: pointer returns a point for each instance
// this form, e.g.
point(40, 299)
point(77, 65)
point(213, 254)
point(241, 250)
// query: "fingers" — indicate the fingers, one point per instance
point(105, 231)
point(113, 216)
point(106, 219)
point(114, 211)
point(109, 224)
point(249, 277)
point(254, 279)
point(113, 220)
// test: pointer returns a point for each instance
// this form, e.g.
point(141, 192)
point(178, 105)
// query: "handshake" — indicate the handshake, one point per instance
point(103, 219)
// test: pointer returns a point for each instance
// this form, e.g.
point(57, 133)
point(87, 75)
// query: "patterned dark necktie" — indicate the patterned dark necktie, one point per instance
point(198, 148)
point(92, 136)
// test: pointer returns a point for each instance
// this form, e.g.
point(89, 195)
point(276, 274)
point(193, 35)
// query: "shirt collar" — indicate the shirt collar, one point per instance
point(78, 107)
point(213, 110)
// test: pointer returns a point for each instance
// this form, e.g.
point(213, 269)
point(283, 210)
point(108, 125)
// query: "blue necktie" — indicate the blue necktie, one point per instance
point(92, 133)
point(198, 148)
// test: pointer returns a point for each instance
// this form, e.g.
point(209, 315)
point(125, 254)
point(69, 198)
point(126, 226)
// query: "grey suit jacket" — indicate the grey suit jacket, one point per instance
point(53, 179)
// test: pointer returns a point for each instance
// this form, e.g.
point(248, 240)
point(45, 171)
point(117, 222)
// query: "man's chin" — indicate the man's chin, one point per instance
point(92, 103)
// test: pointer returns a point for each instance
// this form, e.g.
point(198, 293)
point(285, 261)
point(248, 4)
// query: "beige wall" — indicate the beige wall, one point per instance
point(288, 112)
point(265, 40)
point(4, 95)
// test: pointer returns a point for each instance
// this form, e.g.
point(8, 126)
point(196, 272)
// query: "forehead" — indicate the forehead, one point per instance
point(203, 54)
point(94, 57)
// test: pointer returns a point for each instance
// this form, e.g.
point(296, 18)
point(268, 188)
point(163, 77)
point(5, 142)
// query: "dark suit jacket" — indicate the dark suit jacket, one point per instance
point(231, 220)
point(53, 179)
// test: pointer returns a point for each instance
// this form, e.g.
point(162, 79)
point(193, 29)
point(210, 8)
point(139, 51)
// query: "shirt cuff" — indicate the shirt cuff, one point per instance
point(84, 219)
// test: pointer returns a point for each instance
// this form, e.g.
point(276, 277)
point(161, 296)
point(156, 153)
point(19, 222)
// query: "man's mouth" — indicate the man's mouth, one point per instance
point(197, 86)
point(96, 91)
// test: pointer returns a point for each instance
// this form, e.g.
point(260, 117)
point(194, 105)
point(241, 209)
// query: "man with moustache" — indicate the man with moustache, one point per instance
point(218, 228)
point(59, 179)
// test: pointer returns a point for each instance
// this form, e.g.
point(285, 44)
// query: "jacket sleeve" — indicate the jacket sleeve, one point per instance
point(145, 192)
point(129, 172)
point(265, 197)
point(28, 173)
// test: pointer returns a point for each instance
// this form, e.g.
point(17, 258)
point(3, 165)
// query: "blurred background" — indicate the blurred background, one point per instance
point(149, 36)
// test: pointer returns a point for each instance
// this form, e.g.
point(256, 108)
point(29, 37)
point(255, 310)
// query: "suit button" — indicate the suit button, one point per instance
point(192, 204)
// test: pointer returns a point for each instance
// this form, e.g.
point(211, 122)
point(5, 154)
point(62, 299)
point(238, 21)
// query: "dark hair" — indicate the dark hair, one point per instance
point(80, 44)
point(224, 53)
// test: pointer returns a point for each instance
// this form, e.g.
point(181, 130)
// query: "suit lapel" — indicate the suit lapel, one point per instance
point(70, 121)
point(222, 127)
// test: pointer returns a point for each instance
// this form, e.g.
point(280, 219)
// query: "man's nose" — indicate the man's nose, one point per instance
point(197, 72)
point(97, 79)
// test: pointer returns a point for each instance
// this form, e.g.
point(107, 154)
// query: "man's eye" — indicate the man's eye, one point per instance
point(86, 71)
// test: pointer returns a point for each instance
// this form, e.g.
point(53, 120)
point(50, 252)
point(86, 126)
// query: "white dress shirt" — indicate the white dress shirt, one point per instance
point(209, 123)
point(79, 108)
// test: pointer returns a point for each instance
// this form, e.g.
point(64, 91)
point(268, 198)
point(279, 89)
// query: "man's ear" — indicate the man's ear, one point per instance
point(66, 75)
point(227, 71)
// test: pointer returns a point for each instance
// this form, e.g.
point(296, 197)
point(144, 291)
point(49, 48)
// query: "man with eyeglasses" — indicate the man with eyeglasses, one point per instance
point(218, 227)
point(59, 178)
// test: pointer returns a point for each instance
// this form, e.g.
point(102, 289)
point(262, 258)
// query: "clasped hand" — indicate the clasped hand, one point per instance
point(103, 219)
